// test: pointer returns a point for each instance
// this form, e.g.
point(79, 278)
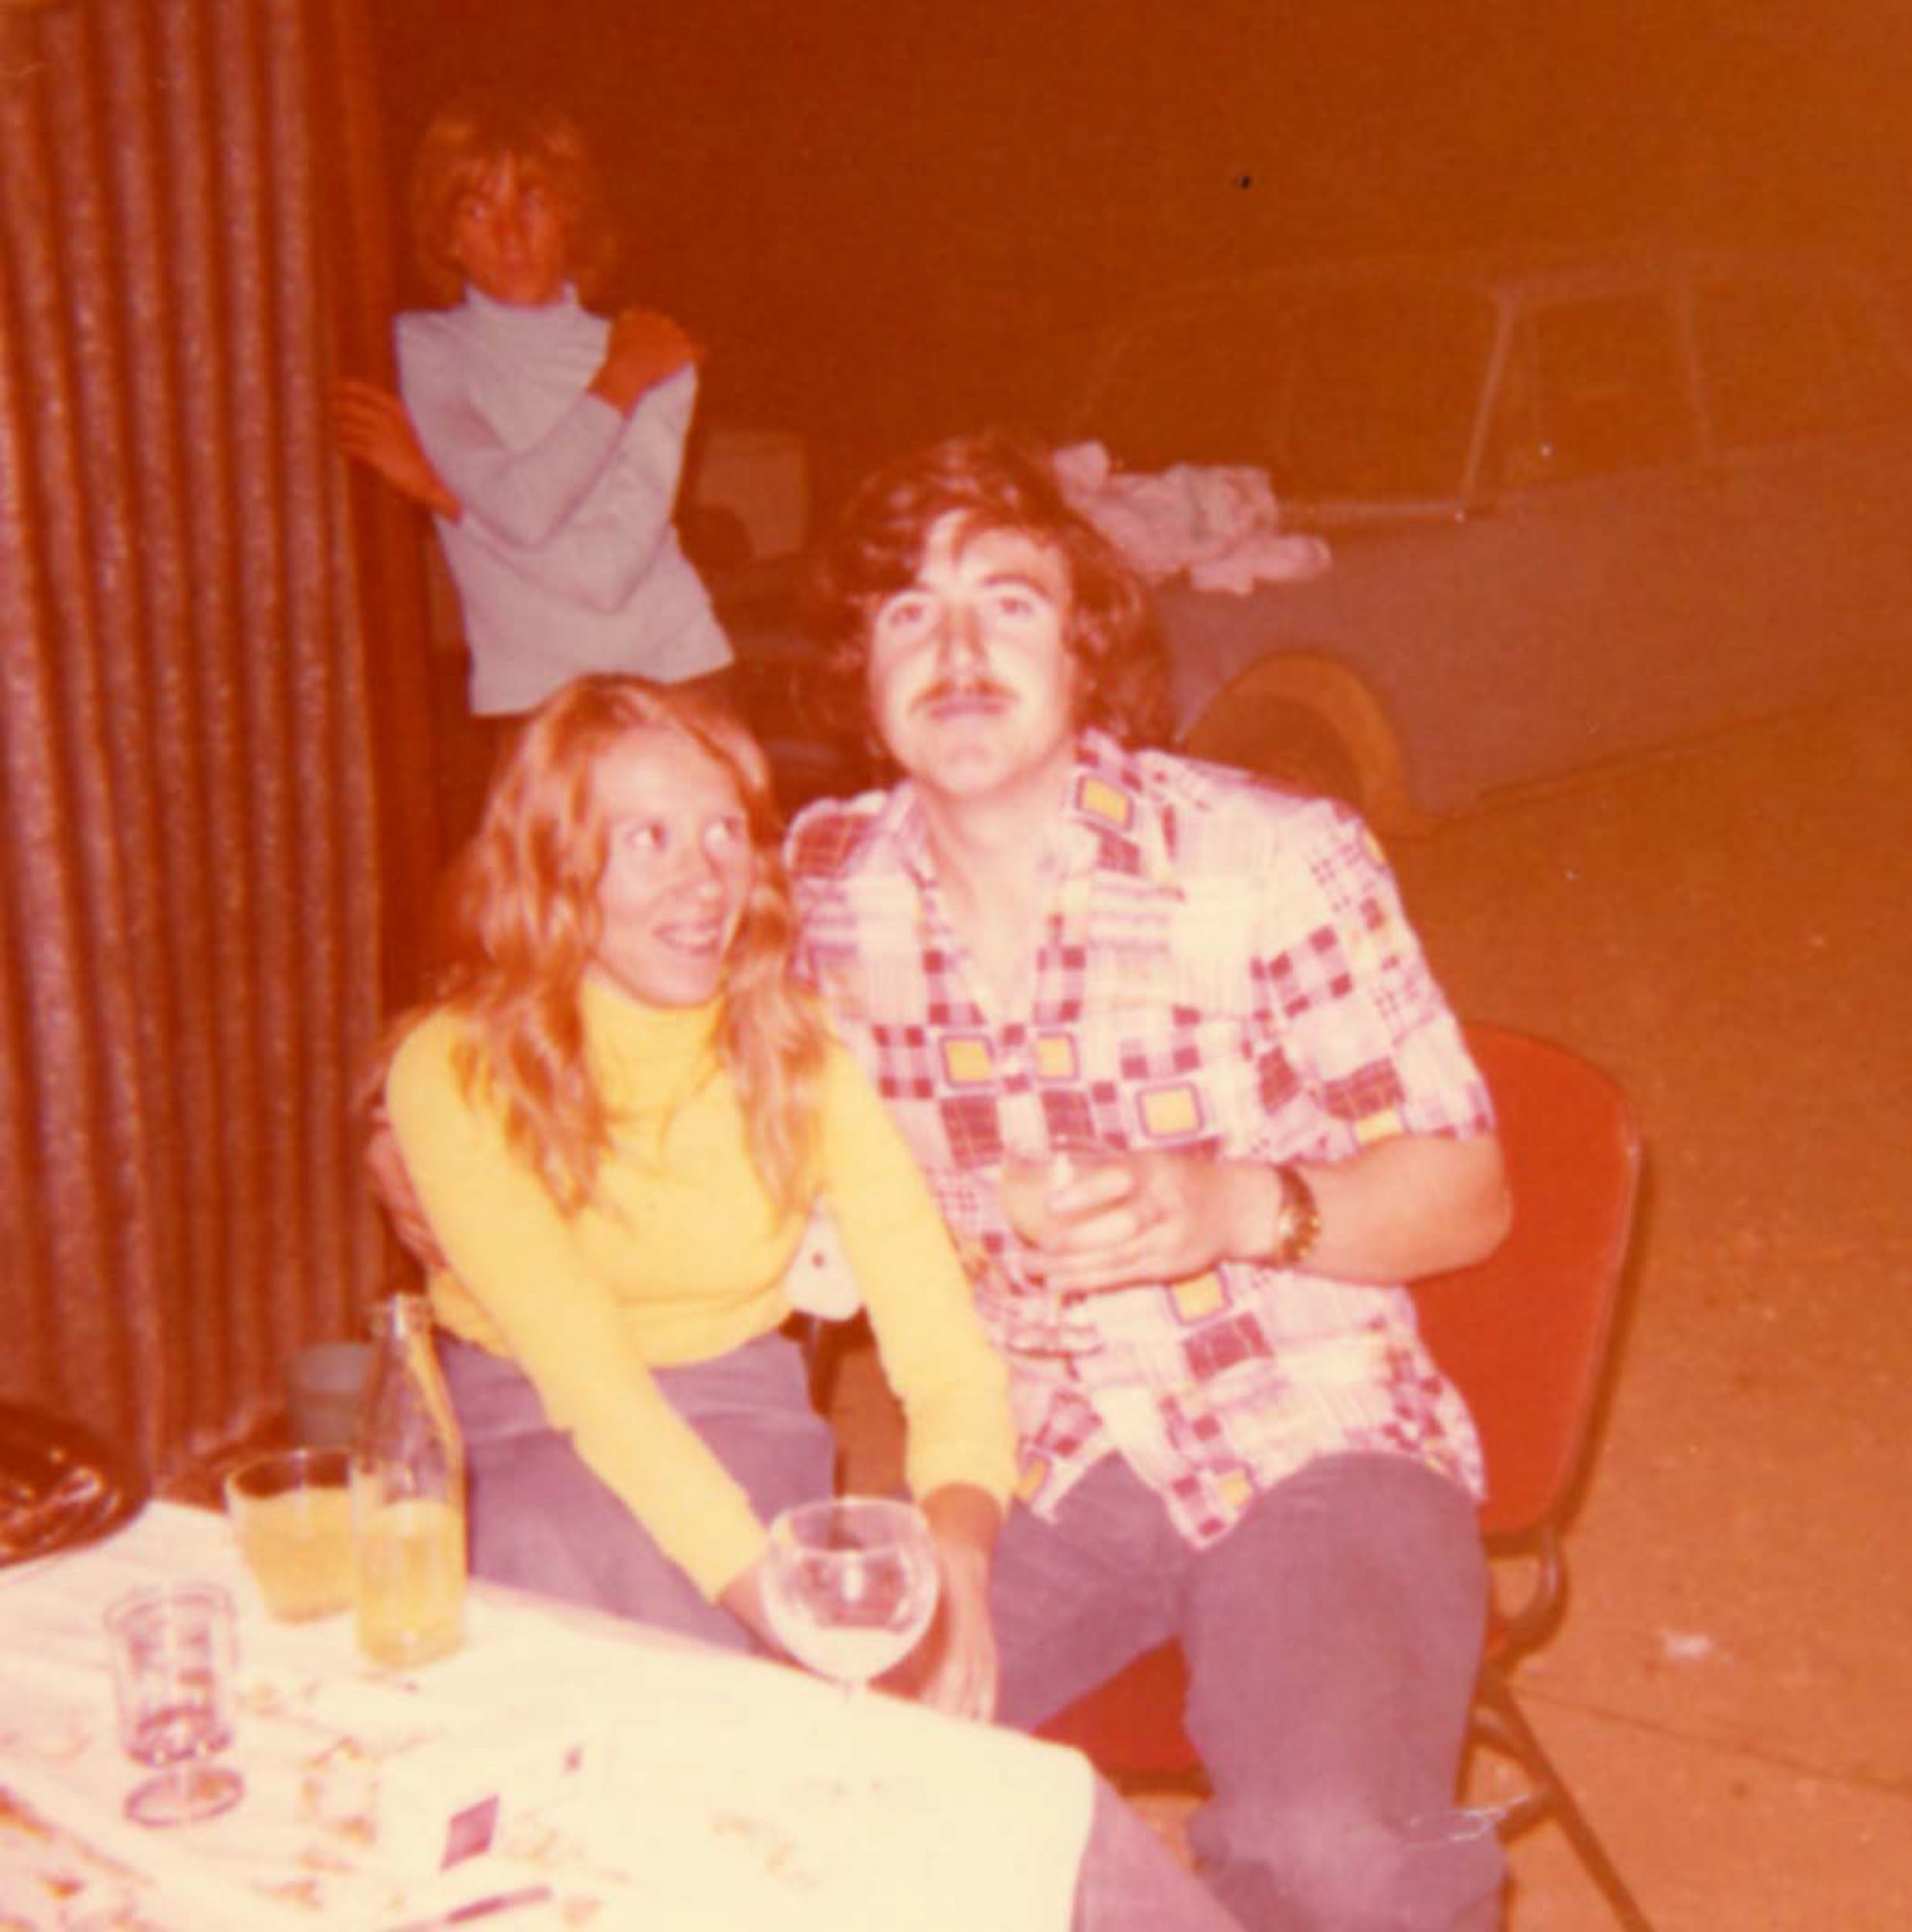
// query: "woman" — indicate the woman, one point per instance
point(547, 441)
point(616, 1120)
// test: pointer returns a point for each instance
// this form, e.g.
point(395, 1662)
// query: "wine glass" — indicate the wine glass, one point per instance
point(174, 1655)
point(1031, 1174)
point(849, 1585)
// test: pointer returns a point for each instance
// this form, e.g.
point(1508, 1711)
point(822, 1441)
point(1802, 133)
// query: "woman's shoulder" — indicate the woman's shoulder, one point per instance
point(424, 1059)
point(430, 349)
point(851, 1102)
point(425, 327)
point(840, 1065)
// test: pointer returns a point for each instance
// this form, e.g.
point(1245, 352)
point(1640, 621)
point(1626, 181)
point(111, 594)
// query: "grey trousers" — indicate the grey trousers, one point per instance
point(541, 1521)
point(1332, 1639)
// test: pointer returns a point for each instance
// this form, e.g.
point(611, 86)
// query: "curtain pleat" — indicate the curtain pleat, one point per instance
point(216, 831)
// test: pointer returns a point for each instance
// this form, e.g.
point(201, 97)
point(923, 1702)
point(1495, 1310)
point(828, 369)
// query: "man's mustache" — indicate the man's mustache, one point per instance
point(962, 686)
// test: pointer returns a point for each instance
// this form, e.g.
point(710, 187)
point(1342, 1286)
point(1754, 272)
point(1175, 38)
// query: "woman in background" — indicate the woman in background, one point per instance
point(547, 442)
point(616, 1119)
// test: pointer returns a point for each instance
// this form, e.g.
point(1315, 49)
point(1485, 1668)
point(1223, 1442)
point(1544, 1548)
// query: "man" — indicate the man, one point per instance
point(1230, 1433)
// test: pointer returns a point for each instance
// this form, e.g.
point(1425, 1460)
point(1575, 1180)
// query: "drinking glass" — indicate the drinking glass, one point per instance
point(292, 1511)
point(174, 1655)
point(1031, 1174)
point(849, 1585)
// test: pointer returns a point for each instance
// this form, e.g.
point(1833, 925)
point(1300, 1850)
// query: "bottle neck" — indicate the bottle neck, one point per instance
point(407, 1406)
point(403, 1316)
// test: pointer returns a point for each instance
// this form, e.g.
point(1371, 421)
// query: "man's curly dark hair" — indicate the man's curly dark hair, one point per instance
point(991, 481)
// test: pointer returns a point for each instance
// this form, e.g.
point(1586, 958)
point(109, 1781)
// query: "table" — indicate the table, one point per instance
point(636, 1778)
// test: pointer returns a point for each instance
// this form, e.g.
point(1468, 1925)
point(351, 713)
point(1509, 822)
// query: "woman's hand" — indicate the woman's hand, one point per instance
point(955, 1669)
point(371, 426)
point(742, 1596)
point(961, 1677)
point(962, 1670)
point(644, 349)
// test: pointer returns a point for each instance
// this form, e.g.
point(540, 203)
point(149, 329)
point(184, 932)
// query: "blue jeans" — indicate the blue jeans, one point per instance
point(1332, 1639)
point(541, 1520)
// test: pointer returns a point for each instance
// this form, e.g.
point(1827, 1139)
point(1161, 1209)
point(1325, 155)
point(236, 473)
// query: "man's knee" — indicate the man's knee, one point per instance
point(1343, 1639)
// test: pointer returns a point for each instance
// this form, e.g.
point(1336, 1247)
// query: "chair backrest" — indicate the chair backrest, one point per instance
point(1524, 1333)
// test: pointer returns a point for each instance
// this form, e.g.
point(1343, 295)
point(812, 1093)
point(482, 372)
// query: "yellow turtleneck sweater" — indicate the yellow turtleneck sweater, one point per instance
point(678, 1258)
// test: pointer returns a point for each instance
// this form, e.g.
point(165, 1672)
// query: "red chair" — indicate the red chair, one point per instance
point(1524, 1335)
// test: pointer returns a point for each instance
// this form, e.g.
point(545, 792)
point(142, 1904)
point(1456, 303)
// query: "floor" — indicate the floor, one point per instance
point(1729, 931)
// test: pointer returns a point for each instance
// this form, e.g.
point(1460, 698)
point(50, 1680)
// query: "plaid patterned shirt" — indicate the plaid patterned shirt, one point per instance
point(1223, 969)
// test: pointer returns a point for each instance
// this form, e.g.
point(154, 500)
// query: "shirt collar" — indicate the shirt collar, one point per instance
point(1109, 815)
point(1106, 818)
point(506, 316)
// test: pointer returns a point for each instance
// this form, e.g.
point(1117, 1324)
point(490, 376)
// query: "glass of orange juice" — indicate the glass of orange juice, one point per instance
point(291, 1510)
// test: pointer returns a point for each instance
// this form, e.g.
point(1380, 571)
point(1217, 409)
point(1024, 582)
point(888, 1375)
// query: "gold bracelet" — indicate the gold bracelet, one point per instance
point(1298, 1226)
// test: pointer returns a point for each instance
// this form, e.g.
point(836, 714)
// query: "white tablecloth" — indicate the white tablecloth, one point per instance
point(705, 1790)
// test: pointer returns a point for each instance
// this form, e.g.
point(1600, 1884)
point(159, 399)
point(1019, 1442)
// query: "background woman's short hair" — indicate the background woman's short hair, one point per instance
point(473, 132)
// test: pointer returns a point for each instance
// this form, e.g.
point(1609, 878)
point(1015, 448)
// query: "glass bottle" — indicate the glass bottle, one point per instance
point(407, 1496)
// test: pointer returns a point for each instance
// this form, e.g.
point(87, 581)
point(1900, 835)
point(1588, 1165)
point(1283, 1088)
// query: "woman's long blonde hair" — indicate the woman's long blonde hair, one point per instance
point(522, 929)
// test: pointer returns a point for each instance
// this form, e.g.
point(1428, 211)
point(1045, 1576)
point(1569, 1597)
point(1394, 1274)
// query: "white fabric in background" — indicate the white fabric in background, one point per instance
point(819, 1279)
point(1219, 524)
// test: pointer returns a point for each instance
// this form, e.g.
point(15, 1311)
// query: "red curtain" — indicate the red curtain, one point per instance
point(214, 821)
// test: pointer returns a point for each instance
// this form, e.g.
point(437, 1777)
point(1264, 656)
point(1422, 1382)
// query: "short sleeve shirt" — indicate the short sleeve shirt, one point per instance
point(1222, 968)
